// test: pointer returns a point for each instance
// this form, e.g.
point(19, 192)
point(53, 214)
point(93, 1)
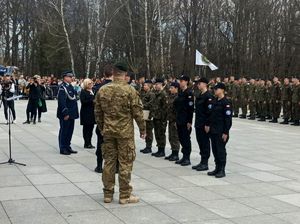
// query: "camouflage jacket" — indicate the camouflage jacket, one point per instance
point(276, 92)
point(286, 93)
point(171, 113)
point(148, 99)
point(159, 110)
point(117, 104)
point(296, 94)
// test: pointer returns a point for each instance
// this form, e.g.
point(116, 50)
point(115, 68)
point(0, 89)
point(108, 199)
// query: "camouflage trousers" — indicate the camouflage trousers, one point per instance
point(287, 109)
point(160, 127)
point(173, 136)
point(276, 109)
point(252, 108)
point(235, 106)
point(244, 104)
point(122, 151)
point(149, 134)
point(296, 111)
point(263, 110)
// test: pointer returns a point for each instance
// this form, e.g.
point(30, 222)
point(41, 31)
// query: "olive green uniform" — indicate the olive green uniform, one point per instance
point(276, 101)
point(296, 103)
point(159, 115)
point(251, 100)
point(235, 98)
point(117, 104)
point(244, 95)
point(262, 103)
point(286, 97)
point(148, 99)
point(171, 117)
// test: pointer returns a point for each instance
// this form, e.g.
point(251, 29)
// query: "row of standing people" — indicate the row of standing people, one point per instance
point(173, 106)
point(265, 99)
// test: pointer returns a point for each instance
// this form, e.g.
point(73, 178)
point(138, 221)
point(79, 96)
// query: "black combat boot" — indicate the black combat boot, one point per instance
point(262, 119)
point(202, 167)
point(196, 166)
point(146, 150)
point(221, 173)
point(161, 153)
point(285, 121)
point(275, 120)
point(174, 157)
point(296, 123)
point(235, 115)
point(180, 161)
point(214, 172)
point(251, 118)
point(169, 156)
point(243, 116)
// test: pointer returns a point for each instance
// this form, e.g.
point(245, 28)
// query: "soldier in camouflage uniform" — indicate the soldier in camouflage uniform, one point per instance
point(244, 94)
point(159, 115)
point(262, 101)
point(117, 104)
point(171, 117)
point(251, 99)
point(235, 97)
point(276, 100)
point(148, 99)
point(296, 102)
point(268, 99)
point(286, 97)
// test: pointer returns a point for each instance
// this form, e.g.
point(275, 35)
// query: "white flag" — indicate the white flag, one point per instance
point(202, 60)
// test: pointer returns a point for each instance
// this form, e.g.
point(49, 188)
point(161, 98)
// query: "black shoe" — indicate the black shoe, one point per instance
point(251, 118)
point(160, 154)
point(169, 156)
point(243, 117)
point(296, 123)
point(262, 119)
point(26, 122)
point(65, 152)
point(186, 162)
point(213, 173)
point(179, 161)
point(89, 147)
point(174, 158)
point(39, 120)
point(196, 166)
point(146, 150)
point(72, 151)
point(274, 121)
point(221, 173)
point(236, 115)
point(98, 169)
point(34, 122)
point(202, 167)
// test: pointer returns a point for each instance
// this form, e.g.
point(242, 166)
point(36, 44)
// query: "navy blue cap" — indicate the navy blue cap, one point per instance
point(185, 78)
point(220, 85)
point(175, 84)
point(68, 73)
point(204, 80)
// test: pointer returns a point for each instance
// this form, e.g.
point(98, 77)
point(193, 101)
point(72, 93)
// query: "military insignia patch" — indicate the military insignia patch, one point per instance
point(209, 106)
point(227, 105)
point(228, 112)
point(191, 103)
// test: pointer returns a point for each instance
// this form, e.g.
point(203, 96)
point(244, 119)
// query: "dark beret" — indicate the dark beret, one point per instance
point(175, 84)
point(185, 78)
point(220, 86)
point(121, 66)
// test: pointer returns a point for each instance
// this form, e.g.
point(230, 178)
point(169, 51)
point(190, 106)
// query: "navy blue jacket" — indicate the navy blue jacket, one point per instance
point(220, 120)
point(184, 107)
point(203, 106)
point(67, 102)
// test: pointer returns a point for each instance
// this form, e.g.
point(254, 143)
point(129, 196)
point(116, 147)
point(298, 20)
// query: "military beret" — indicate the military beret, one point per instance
point(148, 81)
point(159, 81)
point(185, 78)
point(121, 66)
point(68, 73)
point(175, 84)
point(220, 86)
point(204, 80)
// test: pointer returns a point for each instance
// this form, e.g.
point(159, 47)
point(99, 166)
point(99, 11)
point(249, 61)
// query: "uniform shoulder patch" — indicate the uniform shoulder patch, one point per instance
point(228, 112)
point(227, 105)
point(191, 103)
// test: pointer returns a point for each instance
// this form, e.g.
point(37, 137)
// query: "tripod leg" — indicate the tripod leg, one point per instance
point(21, 164)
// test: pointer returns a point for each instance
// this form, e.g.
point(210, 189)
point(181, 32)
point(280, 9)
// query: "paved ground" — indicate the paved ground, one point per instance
point(262, 185)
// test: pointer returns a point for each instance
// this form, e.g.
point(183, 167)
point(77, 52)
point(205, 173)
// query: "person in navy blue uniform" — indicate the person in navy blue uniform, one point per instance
point(67, 112)
point(108, 77)
point(220, 122)
point(184, 107)
point(203, 105)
